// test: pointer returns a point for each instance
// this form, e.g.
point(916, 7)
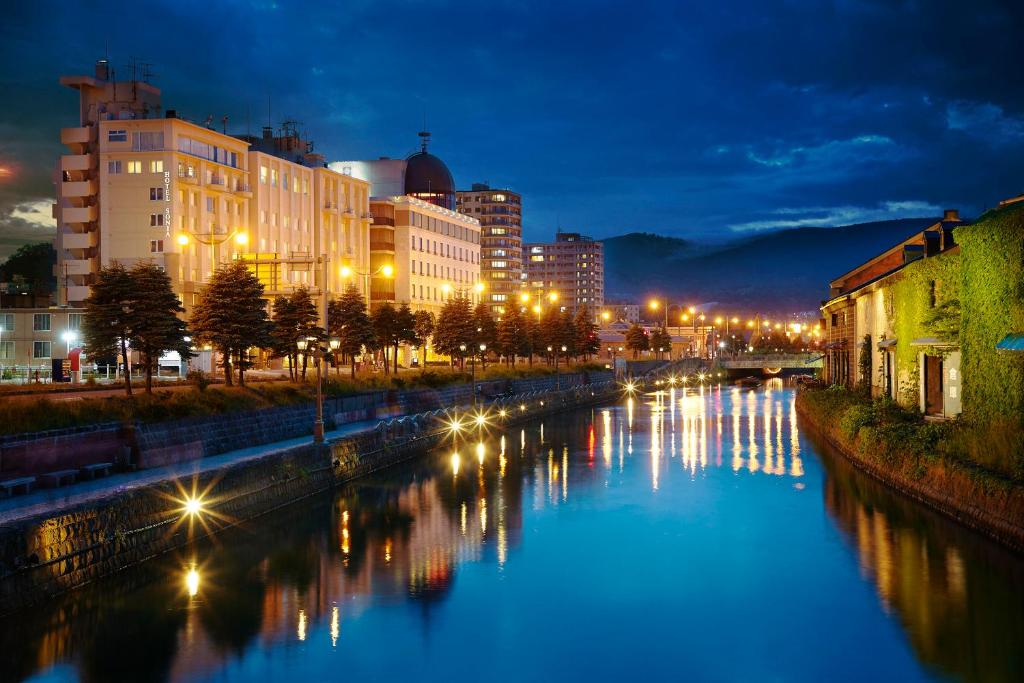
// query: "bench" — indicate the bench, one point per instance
point(10, 486)
point(99, 469)
point(59, 478)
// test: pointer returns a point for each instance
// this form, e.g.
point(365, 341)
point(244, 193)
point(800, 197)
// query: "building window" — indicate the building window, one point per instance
point(117, 136)
point(273, 177)
point(264, 173)
point(6, 322)
point(75, 321)
point(156, 220)
point(40, 349)
point(210, 204)
point(156, 194)
point(156, 246)
point(499, 264)
point(135, 167)
point(156, 166)
point(6, 350)
point(113, 167)
point(41, 322)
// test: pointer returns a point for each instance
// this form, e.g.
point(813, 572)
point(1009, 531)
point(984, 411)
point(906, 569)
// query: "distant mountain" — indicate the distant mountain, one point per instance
point(778, 272)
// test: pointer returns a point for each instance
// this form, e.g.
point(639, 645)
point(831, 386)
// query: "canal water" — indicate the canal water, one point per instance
point(689, 535)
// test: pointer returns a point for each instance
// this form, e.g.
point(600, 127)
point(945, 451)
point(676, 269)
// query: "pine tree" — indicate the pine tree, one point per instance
point(155, 326)
point(350, 323)
point(405, 324)
point(534, 336)
point(455, 328)
point(588, 342)
point(231, 315)
point(423, 328)
point(660, 341)
point(385, 330)
point(108, 317)
point(512, 337)
point(486, 330)
point(636, 339)
point(295, 318)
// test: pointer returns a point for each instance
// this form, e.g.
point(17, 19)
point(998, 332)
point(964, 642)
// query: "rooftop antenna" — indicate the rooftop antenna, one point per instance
point(146, 71)
point(224, 124)
point(424, 140)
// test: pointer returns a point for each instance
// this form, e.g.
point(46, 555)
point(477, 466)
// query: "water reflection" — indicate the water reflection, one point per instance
point(313, 575)
point(960, 599)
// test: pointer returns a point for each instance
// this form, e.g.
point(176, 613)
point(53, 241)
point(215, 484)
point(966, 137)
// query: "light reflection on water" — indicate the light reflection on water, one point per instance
point(701, 511)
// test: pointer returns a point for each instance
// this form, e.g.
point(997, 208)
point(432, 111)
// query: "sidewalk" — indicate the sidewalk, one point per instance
point(52, 501)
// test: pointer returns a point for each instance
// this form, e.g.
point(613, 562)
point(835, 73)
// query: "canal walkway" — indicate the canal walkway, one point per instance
point(51, 501)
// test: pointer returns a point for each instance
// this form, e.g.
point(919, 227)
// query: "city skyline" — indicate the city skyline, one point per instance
point(700, 122)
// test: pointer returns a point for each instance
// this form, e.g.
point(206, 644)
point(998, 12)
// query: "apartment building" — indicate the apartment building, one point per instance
point(501, 241)
point(569, 270)
point(141, 183)
point(31, 337)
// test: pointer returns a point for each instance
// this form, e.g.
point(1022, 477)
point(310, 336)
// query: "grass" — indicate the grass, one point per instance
point(975, 464)
point(27, 415)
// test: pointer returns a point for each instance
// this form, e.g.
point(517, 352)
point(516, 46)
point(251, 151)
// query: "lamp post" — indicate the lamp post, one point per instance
point(550, 349)
point(387, 270)
point(317, 353)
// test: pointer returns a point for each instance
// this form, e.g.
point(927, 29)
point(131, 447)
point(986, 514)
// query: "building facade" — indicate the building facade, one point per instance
point(572, 267)
point(862, 343)
point(31, 337)
point(421, 250)
point(501, 241)
point(137, 185)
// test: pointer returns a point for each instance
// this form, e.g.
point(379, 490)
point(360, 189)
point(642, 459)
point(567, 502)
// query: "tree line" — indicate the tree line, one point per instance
point(136, 309)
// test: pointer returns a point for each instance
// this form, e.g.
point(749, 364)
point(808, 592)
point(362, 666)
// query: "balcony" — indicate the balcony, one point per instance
point(382, 245)
point(79, 188)
point(190, 179)
point(78, 214)
point(76, 162)
point(83, 266)
point(331, 206)
point(218, 182)
point(383, 220)
point(79, 240)
point(243, 189)
point(77, 293)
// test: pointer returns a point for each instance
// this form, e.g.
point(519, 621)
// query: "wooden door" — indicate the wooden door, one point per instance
point(933, 385)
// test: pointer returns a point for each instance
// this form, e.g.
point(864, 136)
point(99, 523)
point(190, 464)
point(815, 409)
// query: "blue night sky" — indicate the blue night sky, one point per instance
point(703, 120)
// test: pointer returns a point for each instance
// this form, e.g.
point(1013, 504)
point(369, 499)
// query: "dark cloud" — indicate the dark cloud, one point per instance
point(693, 119)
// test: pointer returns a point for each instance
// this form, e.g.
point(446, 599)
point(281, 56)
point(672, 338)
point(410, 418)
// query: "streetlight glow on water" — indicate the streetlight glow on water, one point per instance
point(697, 509)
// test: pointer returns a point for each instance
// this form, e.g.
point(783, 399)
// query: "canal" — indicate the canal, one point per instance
point(691, 535)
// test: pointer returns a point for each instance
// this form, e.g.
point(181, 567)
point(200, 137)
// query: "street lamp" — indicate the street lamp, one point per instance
point(317, 352)
point(69, 337)
point(387, 270)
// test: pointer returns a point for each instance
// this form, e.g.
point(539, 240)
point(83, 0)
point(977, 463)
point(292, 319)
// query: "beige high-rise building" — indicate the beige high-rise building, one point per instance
point(571, 268)
point(501, 241)
point(140, 183)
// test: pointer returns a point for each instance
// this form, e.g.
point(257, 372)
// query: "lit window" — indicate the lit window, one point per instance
point(135, 167)
point(263, 175)
point(156, 166)
point(40, 349)
point(273, 177)
point(537, 259)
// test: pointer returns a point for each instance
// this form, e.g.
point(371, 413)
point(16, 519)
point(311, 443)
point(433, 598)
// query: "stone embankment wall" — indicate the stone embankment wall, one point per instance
point(48, 554)
point(992, 511)
point(155, 444)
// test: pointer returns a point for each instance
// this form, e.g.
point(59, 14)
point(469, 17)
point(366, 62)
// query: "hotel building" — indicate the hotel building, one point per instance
point(435, 249)
point(136, 185)
point(501, 241)
point(571, 267)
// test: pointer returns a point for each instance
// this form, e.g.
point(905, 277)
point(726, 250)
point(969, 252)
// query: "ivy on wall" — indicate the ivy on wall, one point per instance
point(992, 302)
point(914, 317)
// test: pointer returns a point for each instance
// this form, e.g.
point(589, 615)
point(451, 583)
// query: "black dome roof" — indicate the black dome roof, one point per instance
point(428, 178)
point(426, 173)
